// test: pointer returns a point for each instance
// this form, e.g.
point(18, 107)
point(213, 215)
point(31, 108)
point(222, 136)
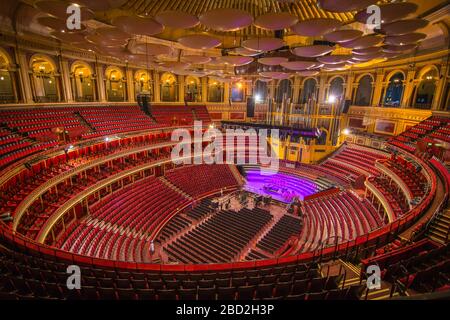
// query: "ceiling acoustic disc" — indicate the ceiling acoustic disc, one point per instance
point(399, 49)
point(263, 44)
point(369, 50)
point(152, 49)
point(402, 27)
point(312, 51)
point(298, 65)
point(69, 37)
point(103, 41)
point(275, 21)
point(175, 65)
point(272, 61)
point(199, 41)
point(196, 59)
point(315, 27)
point(409, 38)
point(101, 5)
point(389, 12)
point(58, 9)
point(344, 5)
point(341, 36)
point(113, 33)
point(177, 19)
point(226, 19)
point(334, 59)
point(236, 60)
point(246, 52)
point(138, 25)
point(363, 42)
point(275, 75)
point(57, 24)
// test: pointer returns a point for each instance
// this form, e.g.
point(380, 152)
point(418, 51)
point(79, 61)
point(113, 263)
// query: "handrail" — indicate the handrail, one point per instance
point(440, 209)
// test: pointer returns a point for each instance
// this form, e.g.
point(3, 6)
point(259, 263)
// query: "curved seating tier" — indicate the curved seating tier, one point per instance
point(338, 218)
point(126, 217)
point(201, 179)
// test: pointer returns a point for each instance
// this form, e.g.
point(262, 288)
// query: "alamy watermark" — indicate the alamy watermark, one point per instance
point(74, 279)
point(73, 21)
point(374, 277)
point(234, 146)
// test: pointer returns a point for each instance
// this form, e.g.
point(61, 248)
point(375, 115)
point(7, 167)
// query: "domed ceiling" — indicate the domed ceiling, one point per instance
point(226, 35)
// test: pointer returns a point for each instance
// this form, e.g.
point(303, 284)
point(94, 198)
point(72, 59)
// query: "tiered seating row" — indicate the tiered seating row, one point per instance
point(286, 227)
point(183, 115)
point(220, 238)
point(106, 243)
point(27, 277)
point(338, 218)
point(140, 207)
point(199, 180)
point(111, 120)
point(435, 127)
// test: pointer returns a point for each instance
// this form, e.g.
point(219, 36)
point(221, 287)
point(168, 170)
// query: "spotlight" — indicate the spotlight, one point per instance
point(331, 99)
point(346, 131)
point(257, 98)
point(106, 139)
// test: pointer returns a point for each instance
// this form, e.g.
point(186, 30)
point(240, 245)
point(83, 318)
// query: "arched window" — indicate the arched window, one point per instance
point(237, 92)
point(336, 90)
point(82, 82)
point(169, 92)
point(284, 90)
point(8, 89)
point(260, 91)
point(115, 85)
point(394, 91)
point(309, 90)
point(44, 83)
point(363, 95)
point(193, 89)
point(215, 91)
point(142, 83)
point(425, 90)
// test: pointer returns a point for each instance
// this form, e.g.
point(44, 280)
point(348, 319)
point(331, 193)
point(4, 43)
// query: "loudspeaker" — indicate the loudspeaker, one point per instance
point(346, 107)
point(279, 34)
point(250, 107)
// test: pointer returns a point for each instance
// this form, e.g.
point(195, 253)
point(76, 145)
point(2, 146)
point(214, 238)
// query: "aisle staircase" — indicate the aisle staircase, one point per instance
point(84, 122)
point(439, 229)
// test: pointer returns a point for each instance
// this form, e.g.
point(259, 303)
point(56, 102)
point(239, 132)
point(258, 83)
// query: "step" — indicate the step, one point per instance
point(439, 240)
point(439, 229)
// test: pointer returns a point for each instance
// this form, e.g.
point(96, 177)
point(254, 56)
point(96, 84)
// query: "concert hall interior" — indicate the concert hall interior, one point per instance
point(224, 150)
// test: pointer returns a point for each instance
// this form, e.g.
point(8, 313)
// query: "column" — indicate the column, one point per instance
point(322, 88)
point(297, 86)
point(100, 82)
point(130, 84)
point(376, 98)
point(349, 86)
point(204, 84)
point(181, 88)
point(65, 76)
point(439, 94)
point(226, 92)
point(156, 86)
point(24, 78)
point(408, 89)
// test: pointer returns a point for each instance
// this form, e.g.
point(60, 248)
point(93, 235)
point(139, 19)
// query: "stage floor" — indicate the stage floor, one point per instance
point(280, 186)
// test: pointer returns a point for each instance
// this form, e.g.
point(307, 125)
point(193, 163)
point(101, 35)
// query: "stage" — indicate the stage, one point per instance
point(280, 186)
